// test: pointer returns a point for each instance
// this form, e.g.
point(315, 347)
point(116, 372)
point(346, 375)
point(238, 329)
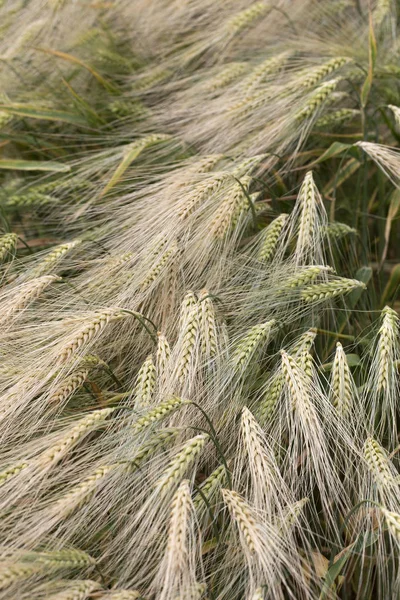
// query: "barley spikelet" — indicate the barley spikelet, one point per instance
point(178, 569)
point(338, 230)
point(337, 117)
point(203, 190)
point(77, 590)
point(341, 383)
point(270, 237)
point(317, 99)
point(64, 559)
point(252, 341)
point(378, 463)
point(53, 259)
point(291, 514)
point(311, 213)
point(304, 276)
point(29, 292)
point(12, 573)
point(91, 329)
point(163, 355)
point(232, 208)
point(158, 440)
point(159, 266)
point(243, 516)
point(145, 384)
point(80, 494)
point(387, 344)
point(246, 18)
point(11, 471)
point(188, 344)
point(208, 325)
point(325, 291)
point(68, 387)
point(258, 594)
point(322, 71)
point(180, 463)
point(225, 76)
point(159, 412)
point(210, 486)
point(392, 520)
point(73, 436)
point(7, 245)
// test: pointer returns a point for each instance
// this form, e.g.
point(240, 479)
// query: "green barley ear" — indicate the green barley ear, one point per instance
point(305, 275)
point(181, 462)
point(322, 71)
point(8, 243)
point(178, 568)
point(310, 215)
point(244, 518)
point(388, 345)
point(209, 488)
point(231, 210)
point(11, 472)
point(73, 435)
point(67, 387)
point(245, 350)
point(208, 329)
point(201, 192)
point(336, 230)
point(317, 100)
point(269, 239)
point(187, 343)
point(226, 75)
point(163, 355)
point(396, 112)
point(246, 18)
point(337, 117)
point(331, 289)
point(26, 294)
point(159, 412)
point(77, 590)
point(90, 330)
point(51, 261)
point(379, 464)
point(342, 385)
point(145, 384)
point(392, 520)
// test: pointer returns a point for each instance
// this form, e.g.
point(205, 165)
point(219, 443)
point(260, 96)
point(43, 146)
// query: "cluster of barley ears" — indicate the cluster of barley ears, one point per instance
point(199, 321)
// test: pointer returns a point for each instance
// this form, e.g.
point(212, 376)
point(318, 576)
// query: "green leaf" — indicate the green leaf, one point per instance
point(372, 60)
point(34, 165)
point(363, 274)
point(334, 572)
point(32, 112)
point(392, 286)
point(394, 209)
point(334, 149)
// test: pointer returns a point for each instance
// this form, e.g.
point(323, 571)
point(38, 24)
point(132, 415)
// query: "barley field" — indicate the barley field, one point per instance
point(199, 300)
